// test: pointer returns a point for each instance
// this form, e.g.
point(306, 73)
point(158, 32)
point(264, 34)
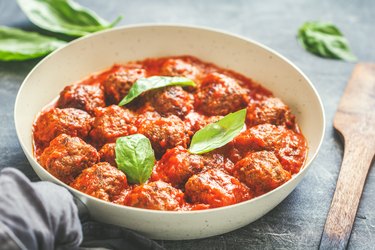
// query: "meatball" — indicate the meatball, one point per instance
point(291, 151)
point(110, 123)
point(171, 100)
point(108, 153)
point(57, 121)
point(179, 67)
point(177, 165)
point(85, 97)
point(102, 181)
point(156, 195)
point(118, 84)
point(216, 188)
point(289, 147)
point(217, 159)
point(195, 121)
point(261, 172)
point(163, 132)
point(270, 110)
point(67, 156)
point(220, 95)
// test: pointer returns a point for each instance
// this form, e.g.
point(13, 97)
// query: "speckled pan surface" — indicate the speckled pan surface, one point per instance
point(99, 51)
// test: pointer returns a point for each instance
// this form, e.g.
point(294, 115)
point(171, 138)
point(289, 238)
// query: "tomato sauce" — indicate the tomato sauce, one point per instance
point(74, 139)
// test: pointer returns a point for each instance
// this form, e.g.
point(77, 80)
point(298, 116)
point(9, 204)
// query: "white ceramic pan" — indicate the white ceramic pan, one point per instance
point(97, 52)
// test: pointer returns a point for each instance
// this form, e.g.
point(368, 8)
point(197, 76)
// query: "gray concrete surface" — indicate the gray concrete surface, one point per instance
point(297, 223)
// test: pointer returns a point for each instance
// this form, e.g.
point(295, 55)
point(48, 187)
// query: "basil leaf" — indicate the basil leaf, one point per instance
point(135, 157)
point(16, 44)
point(154, 82)
point(216, 135)
point(64, 16)
point(325, 40)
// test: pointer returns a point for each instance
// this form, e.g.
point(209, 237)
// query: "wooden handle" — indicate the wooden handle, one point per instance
point(354, 169)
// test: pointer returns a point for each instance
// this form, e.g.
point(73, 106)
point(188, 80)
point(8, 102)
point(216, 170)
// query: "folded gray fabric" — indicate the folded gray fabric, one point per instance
point(42, 215)
point(38, 215)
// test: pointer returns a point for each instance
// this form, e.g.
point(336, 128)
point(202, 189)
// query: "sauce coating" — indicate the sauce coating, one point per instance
point(74, 139)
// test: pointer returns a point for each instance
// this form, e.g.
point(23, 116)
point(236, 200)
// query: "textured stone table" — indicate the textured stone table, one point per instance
point(298, 221)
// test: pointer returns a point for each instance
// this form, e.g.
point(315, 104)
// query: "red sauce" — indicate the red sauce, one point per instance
point(74, 138)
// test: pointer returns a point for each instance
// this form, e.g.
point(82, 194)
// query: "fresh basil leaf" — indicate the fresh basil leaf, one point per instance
point(18, 45)
point(135, 157)
point(325, 40)
point(216, 135)
point(64, 16)
point(154, 82)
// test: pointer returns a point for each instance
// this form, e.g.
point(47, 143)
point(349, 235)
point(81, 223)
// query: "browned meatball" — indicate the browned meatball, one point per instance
point(67, 156)
point(156, 195)
point(108, 153)
point(110, 123)
point(220, 95)
point(102, 181)
point(177, 165)
point(288, 146)
point(171, 101)
point(57, 121)
point(270, 110)
point(217, 159)
point(261, 172)
point(117, 85)
point(179, 67)
point(195, 121)
point(216, 188)
point(163, 132)
point(85, 97)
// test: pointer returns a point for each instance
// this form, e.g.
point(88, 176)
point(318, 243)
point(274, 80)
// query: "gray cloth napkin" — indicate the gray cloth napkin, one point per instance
point(37, 215)
point(42, 215)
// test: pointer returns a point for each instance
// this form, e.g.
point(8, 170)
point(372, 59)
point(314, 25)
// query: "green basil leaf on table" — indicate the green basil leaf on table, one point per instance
point(154, 82)
point(64, 16)
point(17, 45)
point(325, 40)
point(216, 135)
point(135, 157)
